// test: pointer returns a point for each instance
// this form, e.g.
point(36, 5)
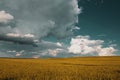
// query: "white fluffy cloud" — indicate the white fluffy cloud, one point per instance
point(59, 44)
point(54, 52)
point(84, 45)
point(20, 35)
point(108, 51)
point(6, 22)
point(5, 17)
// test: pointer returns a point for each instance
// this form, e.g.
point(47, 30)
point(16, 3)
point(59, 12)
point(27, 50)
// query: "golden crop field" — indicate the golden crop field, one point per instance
point(79, 68)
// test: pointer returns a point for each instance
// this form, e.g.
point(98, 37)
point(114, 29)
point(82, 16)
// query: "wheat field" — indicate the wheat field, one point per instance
point(79, 68)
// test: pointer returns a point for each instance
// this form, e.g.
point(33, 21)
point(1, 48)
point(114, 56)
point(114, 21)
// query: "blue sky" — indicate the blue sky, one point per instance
point(52, 28)
point(101, 20)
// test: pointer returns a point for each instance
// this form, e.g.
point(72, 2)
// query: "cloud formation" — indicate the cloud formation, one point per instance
point(5, 17)
point(27, 39)
point(84, 45)
point(28, 22)
point(43, 17)
point(6, 22)
point(19, 35)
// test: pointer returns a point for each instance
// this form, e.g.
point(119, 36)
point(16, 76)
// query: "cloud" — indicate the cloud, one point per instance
point(44, 49)
point(54, 52)
point(19, 53)
point(9, 51)
point(20, 35)
point(80, 45)
point(108, 51)
point(28, 22)
point(76, 28)
point(2, 54)
point(84, 45)
point(5, 17)
point(27, 39)
point(43, 17)
point(6, 22)
point(59, 44)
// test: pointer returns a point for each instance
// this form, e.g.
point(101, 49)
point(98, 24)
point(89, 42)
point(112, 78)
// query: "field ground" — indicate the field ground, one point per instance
point(79, 68)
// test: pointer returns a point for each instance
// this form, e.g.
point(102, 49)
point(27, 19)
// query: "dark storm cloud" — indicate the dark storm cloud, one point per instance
point(18, 40)
point(43, 17)
point(38, 18)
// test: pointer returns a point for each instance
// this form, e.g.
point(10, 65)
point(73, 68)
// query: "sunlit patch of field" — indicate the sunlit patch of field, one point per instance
point(81, 68)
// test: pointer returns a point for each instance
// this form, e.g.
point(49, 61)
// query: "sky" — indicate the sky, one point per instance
point(59, 28)
point(100, 19)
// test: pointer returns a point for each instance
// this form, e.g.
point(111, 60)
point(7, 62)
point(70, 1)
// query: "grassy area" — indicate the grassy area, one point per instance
point(84, 68)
